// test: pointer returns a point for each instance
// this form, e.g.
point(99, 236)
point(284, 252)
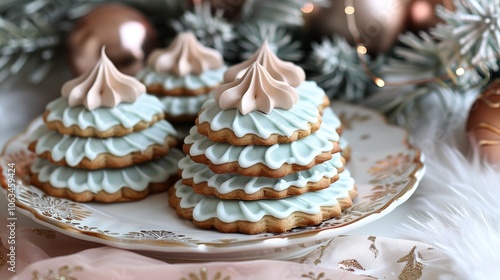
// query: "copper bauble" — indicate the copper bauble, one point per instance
point(127, 34)
point(379, 23)
point(483, 125)
point(421, 14)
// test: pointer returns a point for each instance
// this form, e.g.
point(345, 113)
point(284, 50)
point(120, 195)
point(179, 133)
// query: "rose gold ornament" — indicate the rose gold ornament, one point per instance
point(483, 124)
point(422, 16)
point(378, 22)
point(127, 34)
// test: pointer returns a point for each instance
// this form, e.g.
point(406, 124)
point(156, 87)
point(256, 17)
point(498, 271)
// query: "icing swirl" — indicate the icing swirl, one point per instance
point(280, 70)
point(124, 114)
point(300, 152)
point(74, 149)
point(102, 86)
point(228, 210)
point(185, 56)
point(256, 90)
point(136, 177)
point(281, 122)
point(226, 183)
point(177, 106)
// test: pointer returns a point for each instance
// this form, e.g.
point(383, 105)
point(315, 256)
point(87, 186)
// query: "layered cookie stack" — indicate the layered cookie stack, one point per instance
point(264, 155)
point(182, 75)
point(105, 140)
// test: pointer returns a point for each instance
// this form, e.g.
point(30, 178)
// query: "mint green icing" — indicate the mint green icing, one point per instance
point(169, 81)
point(102, 119)
point(343, 143)
point(311, 93)
point(278, 121)
point(226, 183)
point(74, 149)
point(183, 105)
point(136, 177)
point(300, 152)
point(228, 211)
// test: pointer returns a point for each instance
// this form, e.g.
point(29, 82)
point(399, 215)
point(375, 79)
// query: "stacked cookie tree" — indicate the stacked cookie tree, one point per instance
point(264, 155)
point(105, 140)
point(182, 75)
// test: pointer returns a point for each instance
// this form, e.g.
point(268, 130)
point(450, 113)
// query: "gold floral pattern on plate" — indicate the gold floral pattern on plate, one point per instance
point(392, 168)
point(387, 171)
point(58, 209)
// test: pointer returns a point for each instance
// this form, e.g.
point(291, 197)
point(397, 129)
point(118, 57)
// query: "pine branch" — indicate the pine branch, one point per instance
point(336, 67)
point(280, 40)
point(471, 33)
point(281, 12)
point(211, 29)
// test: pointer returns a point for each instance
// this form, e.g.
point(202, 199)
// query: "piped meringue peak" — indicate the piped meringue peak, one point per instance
point(186, 55)
point(102, 86)
point(280, 70)
point(257, 90)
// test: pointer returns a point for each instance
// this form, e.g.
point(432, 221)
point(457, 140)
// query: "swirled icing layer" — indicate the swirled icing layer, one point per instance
point(208, 79)
point(125, 114)
point(256, 90)
point(343, 143)
point(136, 177)
point(228, 211)
point(74, 149)
point(183, 105)
point(280, 122)
point(300, 152)
point(226, 183)
point(102, 86)
point(186, 55)
point(310, 92)
point(280, 70)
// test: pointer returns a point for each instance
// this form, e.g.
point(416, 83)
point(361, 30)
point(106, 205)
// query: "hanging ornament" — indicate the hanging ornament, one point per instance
point(483, 125)
point(422, 15)
point(376, 24)
point(127, 34)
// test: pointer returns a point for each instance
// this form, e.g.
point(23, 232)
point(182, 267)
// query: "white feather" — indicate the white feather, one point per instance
point(459, 208)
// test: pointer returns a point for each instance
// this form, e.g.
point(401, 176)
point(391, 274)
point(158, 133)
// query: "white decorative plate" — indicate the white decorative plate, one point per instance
point(386, 168)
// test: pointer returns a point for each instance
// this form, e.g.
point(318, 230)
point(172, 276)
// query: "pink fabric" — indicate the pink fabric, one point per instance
point(111, 263)
point(45, 254)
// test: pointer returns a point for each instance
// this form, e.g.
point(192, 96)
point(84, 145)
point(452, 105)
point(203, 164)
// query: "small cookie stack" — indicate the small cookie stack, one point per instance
point(264, 154)
point(104, 140)
point(182, 75)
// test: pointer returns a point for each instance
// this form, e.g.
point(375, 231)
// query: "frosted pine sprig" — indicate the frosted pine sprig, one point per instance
point(211, 29)
point(474, 29)
point(336, 67)
point(279, 39)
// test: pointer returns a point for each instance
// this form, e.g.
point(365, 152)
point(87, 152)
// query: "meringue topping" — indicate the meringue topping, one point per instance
point(186, 55)
point(256, 90)
point(102, 86)
point(280, 70)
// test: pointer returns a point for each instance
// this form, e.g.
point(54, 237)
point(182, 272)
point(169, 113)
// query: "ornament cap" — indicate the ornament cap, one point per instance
point(186, 55)
point(102, 86)
point(280, 70)
point(257, 90)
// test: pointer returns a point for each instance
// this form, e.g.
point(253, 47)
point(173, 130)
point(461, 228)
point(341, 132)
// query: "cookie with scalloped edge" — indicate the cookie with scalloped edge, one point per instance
point(184, 68)
point(252, 217)
point(277, 160)
point(121, 120)
point(233, 186)
point(259, 128)
point(107, 185)
point(97, 153)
